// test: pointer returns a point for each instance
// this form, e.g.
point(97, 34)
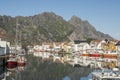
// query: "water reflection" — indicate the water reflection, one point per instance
point(2, 70)
point(16, 73)
point(37, 69)
point(89, 77)
point(66, 78)
point(11, 73)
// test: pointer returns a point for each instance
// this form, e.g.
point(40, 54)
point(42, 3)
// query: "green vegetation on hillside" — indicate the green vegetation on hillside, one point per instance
point(46, 26)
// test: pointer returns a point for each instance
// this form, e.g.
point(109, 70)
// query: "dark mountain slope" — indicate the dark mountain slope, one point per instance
point(46, 26)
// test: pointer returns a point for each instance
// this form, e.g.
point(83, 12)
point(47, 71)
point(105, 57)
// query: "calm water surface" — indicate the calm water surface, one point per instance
point(16, 74)
point(38, 69)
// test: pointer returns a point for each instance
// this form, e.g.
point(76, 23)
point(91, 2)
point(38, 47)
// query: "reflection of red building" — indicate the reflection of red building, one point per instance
point(85, 54)
point(91, 55)
point(112, 56)
point(94, 55)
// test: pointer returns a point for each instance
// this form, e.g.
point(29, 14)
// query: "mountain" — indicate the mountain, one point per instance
point(84, 29)
point(46, 26)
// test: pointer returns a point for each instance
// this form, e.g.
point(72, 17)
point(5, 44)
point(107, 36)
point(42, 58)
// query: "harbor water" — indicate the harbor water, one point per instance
point(39, 69)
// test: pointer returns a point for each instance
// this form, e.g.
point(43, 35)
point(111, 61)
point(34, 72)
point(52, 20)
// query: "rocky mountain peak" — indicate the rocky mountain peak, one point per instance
point(86, 30)
point(48, 26)
point(49, 16)
point(75, 20)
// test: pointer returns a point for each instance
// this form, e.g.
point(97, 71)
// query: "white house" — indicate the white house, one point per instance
point(57, 46)
point(80, 45)
point(47, 46)
point(6, 46)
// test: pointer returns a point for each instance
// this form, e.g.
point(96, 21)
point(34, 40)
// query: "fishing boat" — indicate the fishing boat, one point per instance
point(21, 60)
point(12, 61)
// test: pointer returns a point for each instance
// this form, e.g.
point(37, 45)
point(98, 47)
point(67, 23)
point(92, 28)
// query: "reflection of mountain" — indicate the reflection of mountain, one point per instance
point(7, 74)
point(14, 73)
point(2, 70)
point(11, 73)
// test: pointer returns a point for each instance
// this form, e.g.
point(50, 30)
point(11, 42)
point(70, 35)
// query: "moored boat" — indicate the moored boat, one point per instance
point(21, 63)
point(12, 62)
point(21, 60)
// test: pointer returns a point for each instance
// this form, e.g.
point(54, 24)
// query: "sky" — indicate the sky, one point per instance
point(104, 15)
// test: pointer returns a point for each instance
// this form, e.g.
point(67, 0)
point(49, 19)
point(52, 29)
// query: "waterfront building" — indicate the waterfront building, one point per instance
point(66, 46)
point(80, 45)
point(118, 53)
point(57, 46)
point(4, 50)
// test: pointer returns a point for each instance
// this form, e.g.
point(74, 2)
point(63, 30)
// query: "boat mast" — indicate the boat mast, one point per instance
point(16, 36)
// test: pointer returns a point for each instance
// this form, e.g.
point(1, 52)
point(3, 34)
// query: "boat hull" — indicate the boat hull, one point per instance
point(21, 63)
point(11, 64)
